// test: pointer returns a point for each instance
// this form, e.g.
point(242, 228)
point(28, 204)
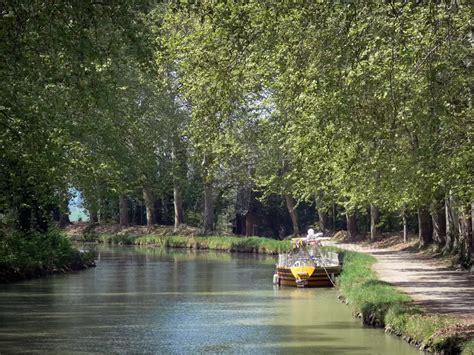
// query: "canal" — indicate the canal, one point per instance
point(140, 300)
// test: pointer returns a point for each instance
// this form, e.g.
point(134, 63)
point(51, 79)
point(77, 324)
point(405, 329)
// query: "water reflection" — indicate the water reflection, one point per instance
point(180, 301)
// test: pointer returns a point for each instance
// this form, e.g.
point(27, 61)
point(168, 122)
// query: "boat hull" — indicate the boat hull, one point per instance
point(319, 277)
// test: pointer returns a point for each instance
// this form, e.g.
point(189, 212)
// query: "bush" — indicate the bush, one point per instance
point(36, 254)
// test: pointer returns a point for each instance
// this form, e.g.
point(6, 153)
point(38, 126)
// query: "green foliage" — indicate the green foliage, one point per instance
point(354, 103)
point(62, 102)
point(358, 103)
point(38, 254)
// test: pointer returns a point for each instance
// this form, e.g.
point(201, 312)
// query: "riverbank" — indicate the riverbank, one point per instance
point(380, 304)
point(257, 245)
point(432, 281)
point(165, 237)
point(36, 255)
point(164, 300)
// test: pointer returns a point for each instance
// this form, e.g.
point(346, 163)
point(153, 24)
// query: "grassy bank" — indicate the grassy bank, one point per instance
point(23, 257)
point(381, 304)
point(224, 243)
point(468, 348)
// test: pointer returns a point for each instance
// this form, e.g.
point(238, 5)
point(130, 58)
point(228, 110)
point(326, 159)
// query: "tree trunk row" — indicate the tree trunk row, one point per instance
point(446, 224)
point(449, 226)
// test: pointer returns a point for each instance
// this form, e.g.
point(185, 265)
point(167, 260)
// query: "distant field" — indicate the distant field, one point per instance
point(77, 213)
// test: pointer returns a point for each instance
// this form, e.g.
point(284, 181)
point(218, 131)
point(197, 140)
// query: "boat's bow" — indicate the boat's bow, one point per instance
point(302, 274)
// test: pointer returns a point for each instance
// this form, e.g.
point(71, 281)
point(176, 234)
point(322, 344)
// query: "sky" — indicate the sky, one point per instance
point(76, 211)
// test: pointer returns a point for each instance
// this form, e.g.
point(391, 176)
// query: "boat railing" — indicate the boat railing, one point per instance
point(314, 257)
point(330, 257)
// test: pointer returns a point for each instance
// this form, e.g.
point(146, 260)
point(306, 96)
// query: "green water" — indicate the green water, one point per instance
point(173, 302)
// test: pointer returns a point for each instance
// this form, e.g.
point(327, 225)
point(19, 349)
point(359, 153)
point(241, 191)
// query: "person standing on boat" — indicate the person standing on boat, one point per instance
point(313, 236)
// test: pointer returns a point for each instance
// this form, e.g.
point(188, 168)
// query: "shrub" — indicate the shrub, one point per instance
point(35, 254)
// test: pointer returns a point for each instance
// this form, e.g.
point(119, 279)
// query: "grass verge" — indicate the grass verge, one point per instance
point(225, 243)
point(381, 304)
point(38, 254)
point(468, 348)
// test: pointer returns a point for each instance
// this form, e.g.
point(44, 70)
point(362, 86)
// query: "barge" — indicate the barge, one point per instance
point(307, 265)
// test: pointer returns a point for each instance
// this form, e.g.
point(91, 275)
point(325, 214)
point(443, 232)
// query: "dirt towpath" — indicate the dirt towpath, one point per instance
point(431, 284)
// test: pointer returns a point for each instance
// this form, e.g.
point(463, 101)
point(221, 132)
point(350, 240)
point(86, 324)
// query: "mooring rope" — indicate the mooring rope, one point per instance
point(329, 277)
point(325, 270)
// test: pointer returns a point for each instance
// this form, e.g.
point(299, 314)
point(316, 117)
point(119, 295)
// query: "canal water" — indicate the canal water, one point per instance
point(140, 300)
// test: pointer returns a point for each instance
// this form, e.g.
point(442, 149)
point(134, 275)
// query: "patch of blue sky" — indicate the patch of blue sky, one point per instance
point(77, 212)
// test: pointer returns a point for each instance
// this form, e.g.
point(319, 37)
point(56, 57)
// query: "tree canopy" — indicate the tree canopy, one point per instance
point(176, 112)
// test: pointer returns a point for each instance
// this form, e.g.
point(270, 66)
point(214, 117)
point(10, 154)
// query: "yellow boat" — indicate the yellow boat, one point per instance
point(307, 265)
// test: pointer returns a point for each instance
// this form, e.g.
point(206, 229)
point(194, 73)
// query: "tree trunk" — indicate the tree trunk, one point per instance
point(123, 208)
point(404, 222)
point(425, 227)
point(452, 225)
point(250, 222)
point(208, 207)
point(405, 229)
point(56, 214)
point(472, 228)
point(465, 235)
point(374, 222)
point(93, 211)
point(150, 206)
point(178, 207)
point(323, 220)
point(42, 224)
point(179, 172)
point(161, 210)
point(333, 229)
point(323, 215)
point(352, 230)
point(64, 212)
point(93, 216)
point(64, 220)
point(290, 204)
point(136, 213)
point(438, 217)
point(102, 212)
